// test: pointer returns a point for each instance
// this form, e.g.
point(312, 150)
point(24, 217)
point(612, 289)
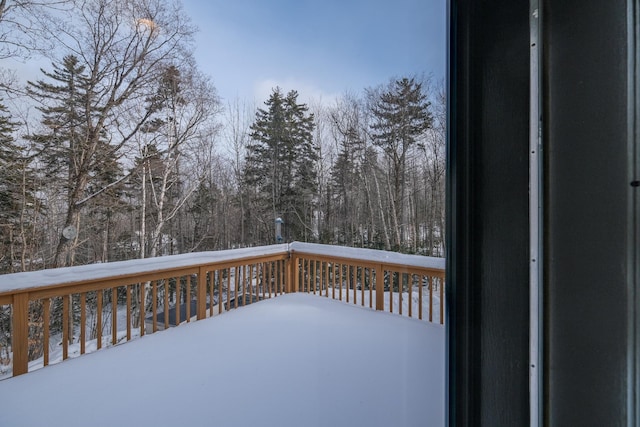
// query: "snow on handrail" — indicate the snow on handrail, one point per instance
point(374, 255)
point(34, 279)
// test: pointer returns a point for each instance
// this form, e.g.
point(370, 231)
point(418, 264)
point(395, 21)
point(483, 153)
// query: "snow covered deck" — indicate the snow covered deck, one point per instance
point(295, 360)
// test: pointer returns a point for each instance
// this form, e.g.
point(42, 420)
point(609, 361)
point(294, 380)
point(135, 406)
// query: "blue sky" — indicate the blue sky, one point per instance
point(321, 48)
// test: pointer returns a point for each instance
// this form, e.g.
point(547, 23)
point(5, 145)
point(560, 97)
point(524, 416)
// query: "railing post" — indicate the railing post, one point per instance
point(20, 338)
point(293, 274)
point(201, 293)
point(380, 288)
point(287, 275)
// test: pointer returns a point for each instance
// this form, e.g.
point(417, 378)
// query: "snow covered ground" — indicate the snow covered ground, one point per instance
point(289, 361)
point(55, 347)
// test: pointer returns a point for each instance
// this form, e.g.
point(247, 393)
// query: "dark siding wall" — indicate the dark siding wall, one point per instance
point(588, 231)
point(489, 172)
point(591, 272)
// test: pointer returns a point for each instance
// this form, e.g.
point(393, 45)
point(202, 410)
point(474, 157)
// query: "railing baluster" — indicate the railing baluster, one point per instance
point(239, 273)
point(245, 284)
point(154, 306)
point(319, 272)
point(392, 276)
point(99, 295)
point(142, 311)
point(430, 299)
point(252, 286)
point(65, 327)
point(45, 329)
point(420, 279)
point(187, 297)
point(178, 287)
point(243, 287)
point(128, 290)
point(346, 281)
point(201, 294)
point(333, 280)
point(326, 279)
point(229, 289)
point(293, 274)
point(210, 281)
point(370, 287)
point(83, 321)
point(286, 271)
point(270, 277)
point(353, 270)
point(441, 305)
point(263, 278)
point(278, 277)
point(114, 315)
point(362, 282)
point(309, 274)
point(259, 281)
point(249, 293)
point(219, 276)
point(400, 291)
point(410, 279)
point(166, 304)
point(285, 277)
point(340, 266)
point(305, 273)
point(286, 282)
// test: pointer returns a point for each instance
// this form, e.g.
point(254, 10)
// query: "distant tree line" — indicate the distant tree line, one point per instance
point(122, 148)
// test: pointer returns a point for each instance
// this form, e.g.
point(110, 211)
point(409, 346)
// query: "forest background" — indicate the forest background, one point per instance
point(121, 148)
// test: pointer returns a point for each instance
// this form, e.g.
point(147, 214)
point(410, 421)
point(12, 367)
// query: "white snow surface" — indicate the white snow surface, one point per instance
point(369, 255)
point(295, 360)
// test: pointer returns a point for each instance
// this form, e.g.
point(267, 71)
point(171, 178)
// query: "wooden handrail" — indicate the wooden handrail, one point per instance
point(156, 287)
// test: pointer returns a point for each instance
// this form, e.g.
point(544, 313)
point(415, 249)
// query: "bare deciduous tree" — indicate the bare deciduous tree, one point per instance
point(22, 24)
point(124, 47)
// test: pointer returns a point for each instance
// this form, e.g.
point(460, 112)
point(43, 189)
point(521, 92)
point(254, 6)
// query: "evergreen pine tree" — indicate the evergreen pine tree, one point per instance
point(280, 174)
point(401, 115)
point(9, 178)
point(346, 183)
point(18, 204)
point(71, 150)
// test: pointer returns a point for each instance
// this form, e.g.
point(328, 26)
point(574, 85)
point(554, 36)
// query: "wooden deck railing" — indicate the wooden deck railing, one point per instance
point(104, 304)
point(372, 278)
